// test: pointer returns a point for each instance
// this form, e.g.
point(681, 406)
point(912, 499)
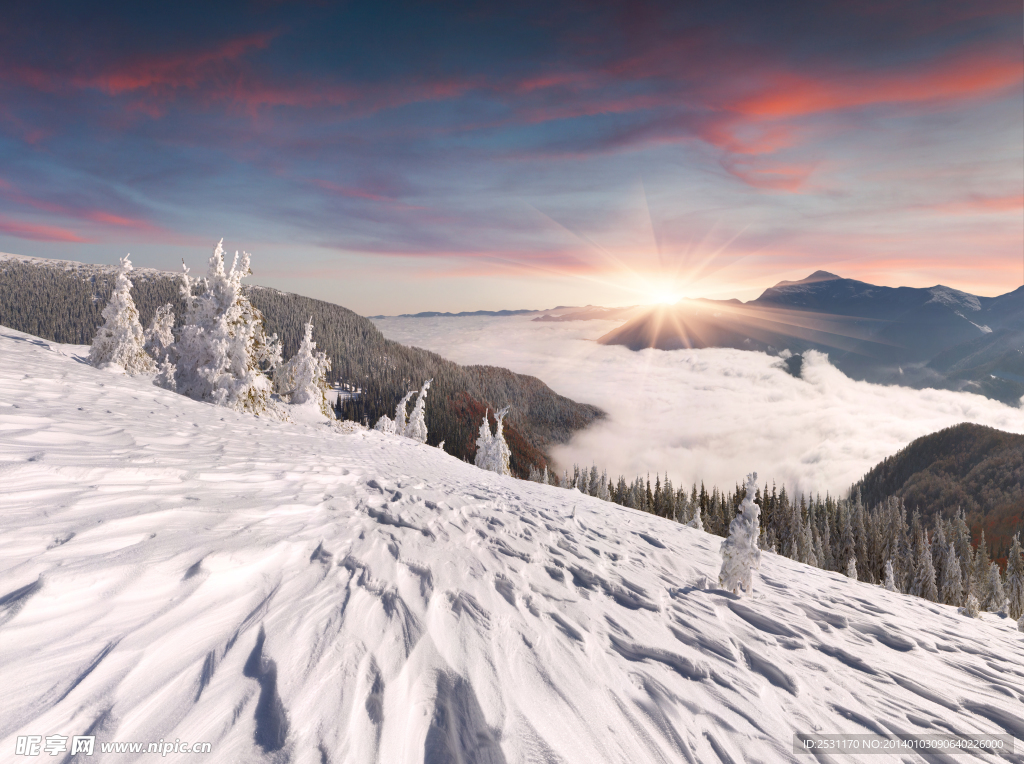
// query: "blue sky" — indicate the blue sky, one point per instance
point(462, 156)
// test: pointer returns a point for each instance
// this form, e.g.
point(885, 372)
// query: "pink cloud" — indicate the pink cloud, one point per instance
point(36, 232)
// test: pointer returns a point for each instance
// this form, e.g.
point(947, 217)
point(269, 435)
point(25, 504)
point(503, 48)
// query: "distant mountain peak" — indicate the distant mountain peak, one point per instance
point(812, 279)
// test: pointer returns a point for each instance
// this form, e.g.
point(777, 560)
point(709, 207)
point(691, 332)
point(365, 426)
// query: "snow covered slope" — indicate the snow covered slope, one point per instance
point(175, 570)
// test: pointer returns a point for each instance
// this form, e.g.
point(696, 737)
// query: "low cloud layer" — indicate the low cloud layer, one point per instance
point(711, 414)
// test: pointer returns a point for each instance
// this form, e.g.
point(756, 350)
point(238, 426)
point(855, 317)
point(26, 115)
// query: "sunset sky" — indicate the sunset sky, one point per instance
point(458, 156)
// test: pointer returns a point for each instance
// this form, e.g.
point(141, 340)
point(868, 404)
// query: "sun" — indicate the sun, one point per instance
point(664, 298)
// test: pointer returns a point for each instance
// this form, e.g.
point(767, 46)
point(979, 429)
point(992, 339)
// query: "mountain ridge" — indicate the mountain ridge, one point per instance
point(62, 301)
point(919, 337)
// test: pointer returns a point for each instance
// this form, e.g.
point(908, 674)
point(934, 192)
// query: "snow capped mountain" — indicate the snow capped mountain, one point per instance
point(888, 335)
point(172, 570)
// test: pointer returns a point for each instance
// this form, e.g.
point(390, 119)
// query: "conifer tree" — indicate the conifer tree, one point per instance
point(223, 349)
point(303, 379)
point(416, 429)
point(961, 539)
point(160, 335)
point(1015, 578)
point(740, 553)
point(979, 576)
point(890, 581)
point(492, 452)
point(120, 340)
point(846, 543)
point(860, 538)
point(695, 521)
point(851, 568)
point(951, 587)
point(402, 413)
point(602, 487)
point(996, 594)
point(924, 573)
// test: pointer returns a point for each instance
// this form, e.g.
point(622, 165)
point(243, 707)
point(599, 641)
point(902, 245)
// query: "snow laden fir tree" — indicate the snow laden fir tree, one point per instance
point(413, 427)
point(121, 341)
point(492, 452)
point(222, 353)
point(741, 555)
point(303, 379)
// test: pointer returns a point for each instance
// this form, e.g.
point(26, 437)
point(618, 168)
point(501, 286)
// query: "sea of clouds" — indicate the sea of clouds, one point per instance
point(712, 414)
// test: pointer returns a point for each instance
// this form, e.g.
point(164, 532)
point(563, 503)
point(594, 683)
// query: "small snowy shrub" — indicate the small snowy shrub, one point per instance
point(890, 579)
point(971, 609)
point(1020, 624)
point(851, 568)
point(121, 340)
point(304, 377)
point(385, 425)
point(696, 522)
point(740, 553)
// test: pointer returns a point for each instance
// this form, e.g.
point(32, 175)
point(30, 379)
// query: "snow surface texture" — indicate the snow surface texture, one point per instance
point(688, 412)
point(173, 569)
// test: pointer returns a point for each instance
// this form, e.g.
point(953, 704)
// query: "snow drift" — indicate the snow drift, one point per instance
point(173, 569)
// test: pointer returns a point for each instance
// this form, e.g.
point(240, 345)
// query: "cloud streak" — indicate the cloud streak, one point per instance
point(437, 131)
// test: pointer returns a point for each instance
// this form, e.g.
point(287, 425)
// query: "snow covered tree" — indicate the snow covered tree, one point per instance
point(492, 452)
point(395, 426)
point(1020, 623)
point(979, 577)
point(1015, 578)
point(385, 425)
point(740, 553)
point(851, 568)
point(402, 414)
point(602, 487)
point(223, 349)
point(416, 429)
point(951, 587)
point(971, 608)
point(846, 549)
point(996, 594)
point(121, 340)
point(303, 379)
point(923, 583)
point(961, 538)
point(890, 582)
point(483, 445)
point(501, 454)
point(160, 336)
point(696, 521)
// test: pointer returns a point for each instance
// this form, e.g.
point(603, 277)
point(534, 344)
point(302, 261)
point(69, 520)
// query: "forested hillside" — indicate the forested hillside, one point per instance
point(970, 467)
point(62, 301)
